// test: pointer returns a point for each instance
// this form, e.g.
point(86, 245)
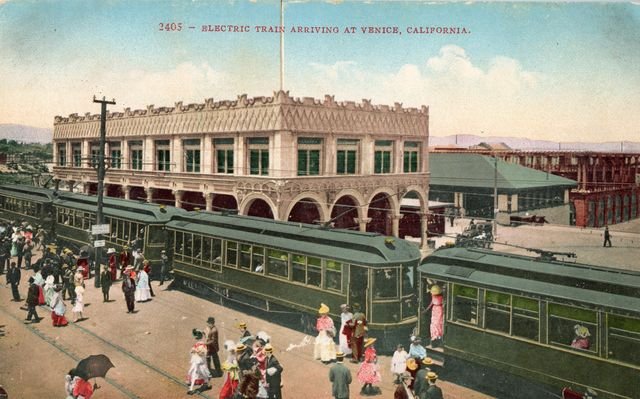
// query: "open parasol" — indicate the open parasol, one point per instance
point(93, 366)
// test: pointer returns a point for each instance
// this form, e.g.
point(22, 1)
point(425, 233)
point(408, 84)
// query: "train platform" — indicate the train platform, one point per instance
point(150, 349)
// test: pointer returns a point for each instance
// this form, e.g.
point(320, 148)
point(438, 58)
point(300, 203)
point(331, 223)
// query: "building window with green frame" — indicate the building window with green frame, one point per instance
point(116, 155)
point(347, 156)
point(163, 155)
point(223, 149)
point(191, 148)
point(95, 155)
point(258, 156)
point(62, 154)
point(76, 154)
point(383, 156)
point(411, 157)
point(135, 155)
point(309, 156)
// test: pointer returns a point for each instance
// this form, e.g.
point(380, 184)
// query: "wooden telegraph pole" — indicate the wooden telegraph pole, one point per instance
point(101, 173)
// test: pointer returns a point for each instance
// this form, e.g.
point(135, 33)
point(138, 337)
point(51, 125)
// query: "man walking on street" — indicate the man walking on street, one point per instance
point(340, 377)
point(211, 336)
point(607, 236)
point(32, 301)
point(129, 289)
point(13, 278)
point(274, 374)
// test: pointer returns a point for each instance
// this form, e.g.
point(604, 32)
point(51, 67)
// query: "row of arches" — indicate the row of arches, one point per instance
point(380, 212)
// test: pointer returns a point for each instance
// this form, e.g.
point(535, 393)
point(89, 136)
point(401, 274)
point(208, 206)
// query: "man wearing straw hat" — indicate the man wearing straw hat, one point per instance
point(420, 383)
point(433, 391)
point(274, 374)
point(340, 377)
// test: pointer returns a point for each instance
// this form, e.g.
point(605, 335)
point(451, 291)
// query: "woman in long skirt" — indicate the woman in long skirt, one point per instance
point(48, 290)
point(437, 314)
point(345, 330)
point(143, 293)
point(325, 348)
point(78, 307)
point(368, 374)
point(231, 371)
point(58, 308)
point(199, 371)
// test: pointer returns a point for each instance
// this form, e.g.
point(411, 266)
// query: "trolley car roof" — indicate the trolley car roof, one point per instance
point(125, 209)
point(344, 245)
point(27, 192)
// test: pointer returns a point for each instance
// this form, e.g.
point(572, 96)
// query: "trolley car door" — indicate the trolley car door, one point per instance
point(359, 287)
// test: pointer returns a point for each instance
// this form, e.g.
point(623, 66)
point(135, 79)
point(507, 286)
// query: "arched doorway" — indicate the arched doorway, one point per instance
point(380, 215)
point(305, 211)
point(224, 202)
point(137, 194)
point(114, 190)
point(192, 200)
point(260, 208)
point(345, 213)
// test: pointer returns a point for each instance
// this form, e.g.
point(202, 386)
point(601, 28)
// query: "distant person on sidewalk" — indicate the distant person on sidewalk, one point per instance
point(32, 301)
point(164, 269)
point(129, 288)
point(607, 236)
point(13, 278)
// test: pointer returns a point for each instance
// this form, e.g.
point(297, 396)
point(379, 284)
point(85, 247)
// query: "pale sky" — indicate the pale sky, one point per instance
point(555, 71)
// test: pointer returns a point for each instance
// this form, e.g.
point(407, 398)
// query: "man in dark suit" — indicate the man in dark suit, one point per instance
point(129, 289)
point(402, 390)
point(13, 278)
point(32, 301)
point(420, 383)
point(213, 346)
point(340, 378)
point(274, 374)
point(433, 391)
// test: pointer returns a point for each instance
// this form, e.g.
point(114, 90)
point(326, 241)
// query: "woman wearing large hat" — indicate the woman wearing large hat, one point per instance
point(581, 341)
point(58, 307)
point(325, 348)
point(369, 373)
point(198, 371)
point(437, 314)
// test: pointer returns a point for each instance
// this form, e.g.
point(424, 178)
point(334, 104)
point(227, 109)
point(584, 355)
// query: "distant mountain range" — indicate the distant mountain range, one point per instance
point(25, 134)
point(466, 140)
point(29, 134)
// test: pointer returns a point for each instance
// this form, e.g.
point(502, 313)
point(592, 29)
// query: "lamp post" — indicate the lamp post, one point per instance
point(101, 173)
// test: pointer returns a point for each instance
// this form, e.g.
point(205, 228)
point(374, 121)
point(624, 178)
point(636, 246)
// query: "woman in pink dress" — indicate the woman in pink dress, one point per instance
point(325, 347)
point(437, 314)
point(368, 374)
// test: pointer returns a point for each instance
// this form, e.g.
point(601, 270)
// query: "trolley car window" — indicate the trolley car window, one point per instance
point(188, 246)
point(465, 304)
point(314, 271)
point(497, 311)
point(299, 268)
point(565, 320)
point(333, 275)
point(257, 259)
point(408, 286)
point(156, 235)
point(278, 263)
point(216, 254)
point(245, 257)
point(232, 253)
point(526, 318)
point(385, 283)
point(197, 250)
point(624, 338)
point(179, 245)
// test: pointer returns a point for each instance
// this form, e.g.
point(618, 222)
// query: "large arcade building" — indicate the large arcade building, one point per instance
point(305, 160)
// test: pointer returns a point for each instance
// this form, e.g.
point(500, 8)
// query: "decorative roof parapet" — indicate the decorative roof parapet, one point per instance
point(279, 97)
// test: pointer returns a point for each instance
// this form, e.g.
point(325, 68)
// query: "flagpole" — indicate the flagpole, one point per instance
point(281, 45)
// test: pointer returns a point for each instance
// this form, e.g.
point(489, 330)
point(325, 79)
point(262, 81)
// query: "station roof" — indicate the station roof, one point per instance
point(477, 171)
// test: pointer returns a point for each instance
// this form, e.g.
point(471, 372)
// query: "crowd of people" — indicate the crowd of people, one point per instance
point(249, 368)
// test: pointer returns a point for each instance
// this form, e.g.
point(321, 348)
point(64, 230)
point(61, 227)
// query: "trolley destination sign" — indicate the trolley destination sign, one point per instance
point(100, 229)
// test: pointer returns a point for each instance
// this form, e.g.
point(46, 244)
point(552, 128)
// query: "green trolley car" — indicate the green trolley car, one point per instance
point(31, 204)
point(559, 324)
point(129, 221)
point(290, 268)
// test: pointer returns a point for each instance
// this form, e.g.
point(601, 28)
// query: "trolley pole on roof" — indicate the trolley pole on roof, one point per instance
point(101, 173)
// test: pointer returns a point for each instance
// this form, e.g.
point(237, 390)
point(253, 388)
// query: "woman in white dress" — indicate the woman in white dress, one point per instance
point(345, 335)
point(143, 293)
point(199, 371)
point(48, 290)
point(78, 307)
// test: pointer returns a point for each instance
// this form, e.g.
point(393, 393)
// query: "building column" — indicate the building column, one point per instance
point(177, 155)
point(207, 155)
point(127, 192)
point(124, 156)
point(424, 225)
point(149, 191)
point(395, 225)
point(148, 155)
point(208, 198)
point(178, 197)
point(362, 222)
point(71, 184)
point(85, 188)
